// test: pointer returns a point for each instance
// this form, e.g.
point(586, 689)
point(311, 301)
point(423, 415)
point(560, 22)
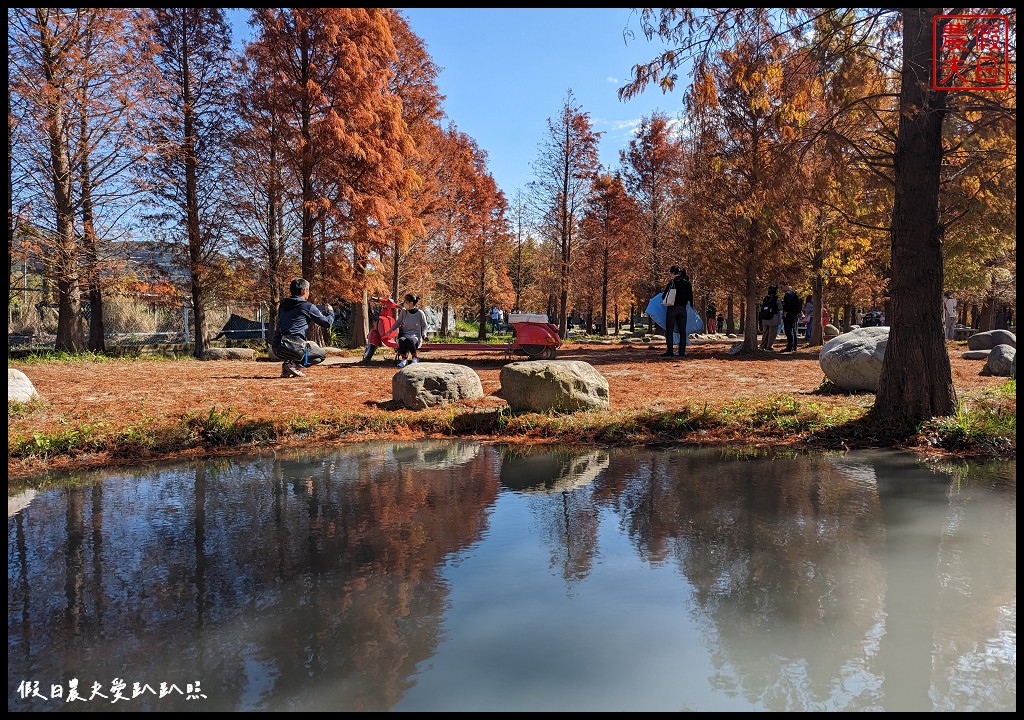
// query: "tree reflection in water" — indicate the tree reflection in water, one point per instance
point(418, 576)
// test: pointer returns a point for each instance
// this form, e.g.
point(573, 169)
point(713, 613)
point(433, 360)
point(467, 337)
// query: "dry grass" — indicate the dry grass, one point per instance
point(104, 412)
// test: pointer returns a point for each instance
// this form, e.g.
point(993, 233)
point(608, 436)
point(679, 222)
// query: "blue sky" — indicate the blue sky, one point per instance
point(505, 71)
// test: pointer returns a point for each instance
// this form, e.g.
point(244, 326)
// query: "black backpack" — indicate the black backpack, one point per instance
point(767, 307)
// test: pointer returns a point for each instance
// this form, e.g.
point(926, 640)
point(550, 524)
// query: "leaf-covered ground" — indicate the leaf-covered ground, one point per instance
point(344, 401)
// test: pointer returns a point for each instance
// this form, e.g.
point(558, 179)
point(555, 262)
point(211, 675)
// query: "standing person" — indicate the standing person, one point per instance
point(808, 317)
point(949, 312)
point(495, 318)
point(412, 328)
point(712, 317)
point(675, 313)
point(791, 307)
point(770, 315)
point(293, 317)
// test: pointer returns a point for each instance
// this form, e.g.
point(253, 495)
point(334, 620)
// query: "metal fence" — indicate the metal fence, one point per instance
point(129, 321)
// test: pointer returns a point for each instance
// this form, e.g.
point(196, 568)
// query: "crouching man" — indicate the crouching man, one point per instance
point(293, 317)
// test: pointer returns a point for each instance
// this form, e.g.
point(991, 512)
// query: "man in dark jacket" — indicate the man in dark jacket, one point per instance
point(791, 309)
point(675, 314)
point(293, 317)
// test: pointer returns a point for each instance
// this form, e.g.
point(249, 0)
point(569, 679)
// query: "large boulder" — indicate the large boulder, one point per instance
point(423, 385)
point(1002, 361)
point(558, 385)
point(19, 387)
point(990, 338)
point(853, 361)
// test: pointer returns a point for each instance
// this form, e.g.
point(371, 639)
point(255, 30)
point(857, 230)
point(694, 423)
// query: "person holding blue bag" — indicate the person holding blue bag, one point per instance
point(677, 299)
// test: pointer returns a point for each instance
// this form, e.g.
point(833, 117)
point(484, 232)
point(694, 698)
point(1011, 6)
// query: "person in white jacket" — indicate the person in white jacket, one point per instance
point(949, 314)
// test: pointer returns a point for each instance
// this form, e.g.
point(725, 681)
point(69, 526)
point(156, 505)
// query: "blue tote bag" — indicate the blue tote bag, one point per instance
point(657, 313)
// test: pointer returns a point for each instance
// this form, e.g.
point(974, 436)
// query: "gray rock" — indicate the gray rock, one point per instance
point(19, 387)
point(558, 385)
point(1002, 361)
point(976, 354)
point(424, 385)
point(831, 331)
point(229, 354)
point(853, 361)
point(990, 338)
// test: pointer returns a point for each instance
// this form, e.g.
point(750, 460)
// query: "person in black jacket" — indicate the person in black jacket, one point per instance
point(293, 317)
point(791, 309)
point(770, 315)
point(675, 314)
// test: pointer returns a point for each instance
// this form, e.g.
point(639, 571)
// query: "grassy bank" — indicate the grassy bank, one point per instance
point(985, 426)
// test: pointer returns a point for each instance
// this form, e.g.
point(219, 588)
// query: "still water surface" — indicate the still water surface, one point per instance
point(453, 576)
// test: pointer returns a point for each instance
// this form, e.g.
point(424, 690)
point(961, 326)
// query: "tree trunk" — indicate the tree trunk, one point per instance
point(200, 335)
point(481, 290)
point(916, 380)
point(196, 261)
point(360, 320)
point(984, 322)
point(360, 330)
point(97, 342)
point(817, 298)
point(70, 333)
point(604, 294)
point(275, 260)
point(394, 269)
point(360, 310)
point(750, 291)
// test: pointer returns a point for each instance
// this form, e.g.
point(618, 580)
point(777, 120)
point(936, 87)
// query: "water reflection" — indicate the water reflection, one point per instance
point(454, 576)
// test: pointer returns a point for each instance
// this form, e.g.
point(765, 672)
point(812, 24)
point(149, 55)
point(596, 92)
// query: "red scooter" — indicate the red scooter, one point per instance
point(532, 335)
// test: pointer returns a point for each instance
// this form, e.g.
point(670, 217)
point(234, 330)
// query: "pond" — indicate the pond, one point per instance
point(456, 576)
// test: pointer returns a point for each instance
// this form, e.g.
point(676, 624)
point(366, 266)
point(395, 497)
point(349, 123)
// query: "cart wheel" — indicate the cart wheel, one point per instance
point(368, 352)
point(535, 352)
